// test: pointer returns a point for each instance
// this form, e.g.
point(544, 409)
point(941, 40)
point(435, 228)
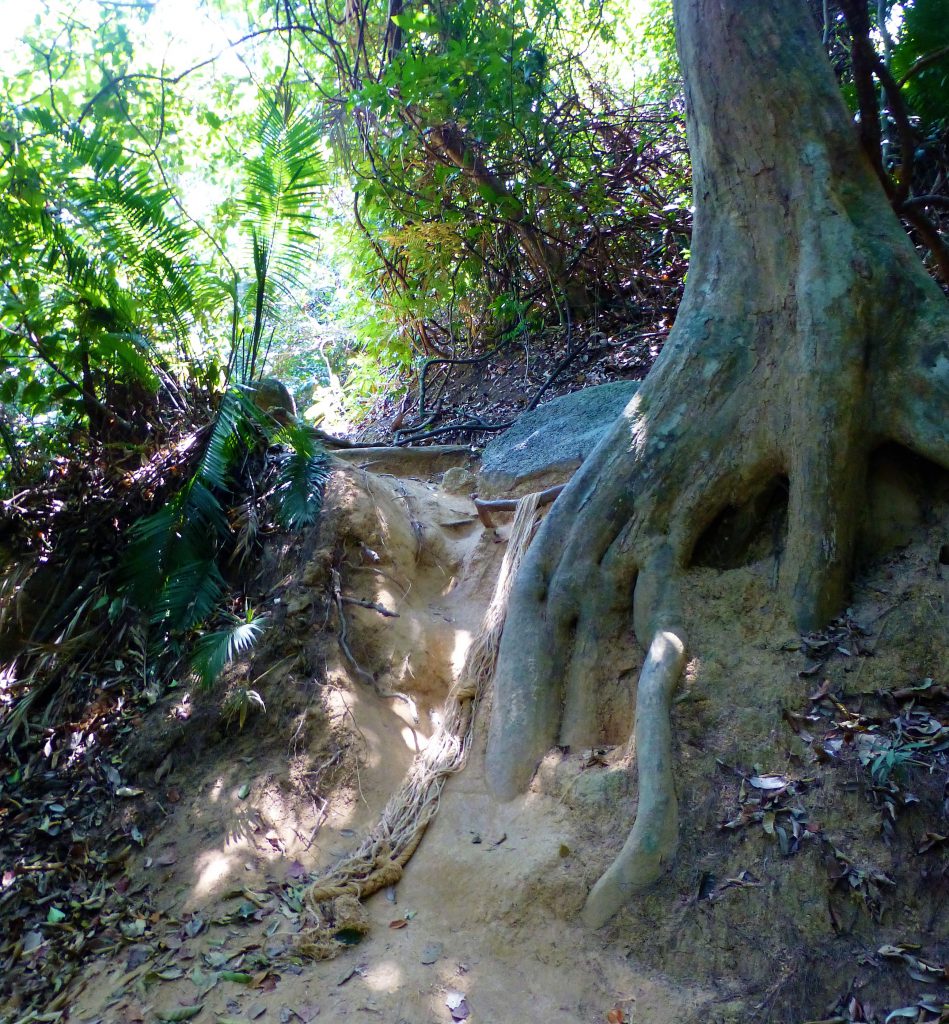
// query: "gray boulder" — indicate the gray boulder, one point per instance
point(546, 445)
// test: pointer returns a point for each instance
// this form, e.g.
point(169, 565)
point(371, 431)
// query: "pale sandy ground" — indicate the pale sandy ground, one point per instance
point(493, 892)
point(492, 889)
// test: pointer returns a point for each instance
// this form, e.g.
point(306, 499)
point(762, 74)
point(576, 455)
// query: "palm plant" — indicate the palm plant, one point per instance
point(282, 183)
point(174, 563)
point(98, 286)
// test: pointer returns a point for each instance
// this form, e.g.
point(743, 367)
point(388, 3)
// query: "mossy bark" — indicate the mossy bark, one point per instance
point(809, 335)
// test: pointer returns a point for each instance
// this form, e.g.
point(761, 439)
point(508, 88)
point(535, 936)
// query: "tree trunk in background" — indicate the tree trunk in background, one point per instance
point(809, 334)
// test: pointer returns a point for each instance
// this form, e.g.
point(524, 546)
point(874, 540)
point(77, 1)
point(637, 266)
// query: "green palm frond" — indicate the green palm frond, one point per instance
point(205, 517)
point(224, 444)
point(131, 351)
point(302, 469)
point(922, 54)
point(285, 179)
point(245, 524)
point(148, 555)
point(91, 223)
point(189, 596)
point(214, 650)
point(282, 184)
point(127, 215)
point(187, 530)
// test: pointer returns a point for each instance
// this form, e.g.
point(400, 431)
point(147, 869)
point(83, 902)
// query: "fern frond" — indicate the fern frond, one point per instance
point(213, 651)
point(204, 519)
point(189, 595)
point(302, 470)
point(223, 445)
point(147, 557)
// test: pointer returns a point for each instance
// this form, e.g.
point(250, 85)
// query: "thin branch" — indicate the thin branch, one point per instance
point(113, 84)
point(30, 338)
point(924, 62)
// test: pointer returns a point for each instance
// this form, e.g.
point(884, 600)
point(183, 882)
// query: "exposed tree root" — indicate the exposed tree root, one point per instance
point(485, 506)
point(809, 335)
point(353, 451)
point(343, 638)
point(655, 833)
point(386, 850)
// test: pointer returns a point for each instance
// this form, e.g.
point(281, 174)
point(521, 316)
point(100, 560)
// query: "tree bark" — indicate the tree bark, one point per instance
point(809, 334)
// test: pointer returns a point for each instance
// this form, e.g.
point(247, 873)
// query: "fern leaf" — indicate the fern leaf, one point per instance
point(224, 443)
point(302, 470)
point(151, 538)
point(189, 595)
point(213, 651)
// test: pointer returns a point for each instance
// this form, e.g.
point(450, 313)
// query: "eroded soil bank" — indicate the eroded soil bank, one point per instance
point(811, 878)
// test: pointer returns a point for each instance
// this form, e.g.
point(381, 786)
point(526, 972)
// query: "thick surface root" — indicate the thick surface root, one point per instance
point(655, 833)
point(808, 336)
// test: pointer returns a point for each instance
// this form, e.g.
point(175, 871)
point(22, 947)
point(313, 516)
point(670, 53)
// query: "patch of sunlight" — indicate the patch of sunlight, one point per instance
point(463, 639)
point(213, 868)
point(7, 683)
point(384, 977)
point(328, 409)
point(416, 741)
point(148, 467)
point(216, 790)
point(631, 412)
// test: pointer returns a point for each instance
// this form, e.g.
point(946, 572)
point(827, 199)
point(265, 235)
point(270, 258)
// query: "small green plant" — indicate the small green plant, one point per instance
point(174, 568)
point(891, 757)
point(238, 705)
point(214, 650)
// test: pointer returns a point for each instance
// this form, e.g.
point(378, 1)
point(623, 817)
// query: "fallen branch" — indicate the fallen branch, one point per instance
point(390, 449)
point(486, 506)
point(472, 425)
point(331, 441)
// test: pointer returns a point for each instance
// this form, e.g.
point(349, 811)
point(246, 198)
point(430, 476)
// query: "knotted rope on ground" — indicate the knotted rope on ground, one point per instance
point(380, 859)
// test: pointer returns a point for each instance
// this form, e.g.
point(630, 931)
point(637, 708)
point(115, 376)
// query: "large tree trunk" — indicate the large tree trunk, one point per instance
point(809, 335)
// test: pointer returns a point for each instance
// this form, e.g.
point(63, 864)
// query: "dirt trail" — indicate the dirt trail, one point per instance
point(486, 892)
point(487, 906)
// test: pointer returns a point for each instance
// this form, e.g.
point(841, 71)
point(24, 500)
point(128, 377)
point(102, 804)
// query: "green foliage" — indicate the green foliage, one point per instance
point(892, 758)
point(497, 178)
point(213, 651)
point(301, 471)
point(481, 171)
point(284, 181)
point(98, 288)
point(174, 565)
point(230, 430)
point(239, 703)
point(921, 56)
point(659, 78)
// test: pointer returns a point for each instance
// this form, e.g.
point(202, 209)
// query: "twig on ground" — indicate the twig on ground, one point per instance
point(370, 604)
